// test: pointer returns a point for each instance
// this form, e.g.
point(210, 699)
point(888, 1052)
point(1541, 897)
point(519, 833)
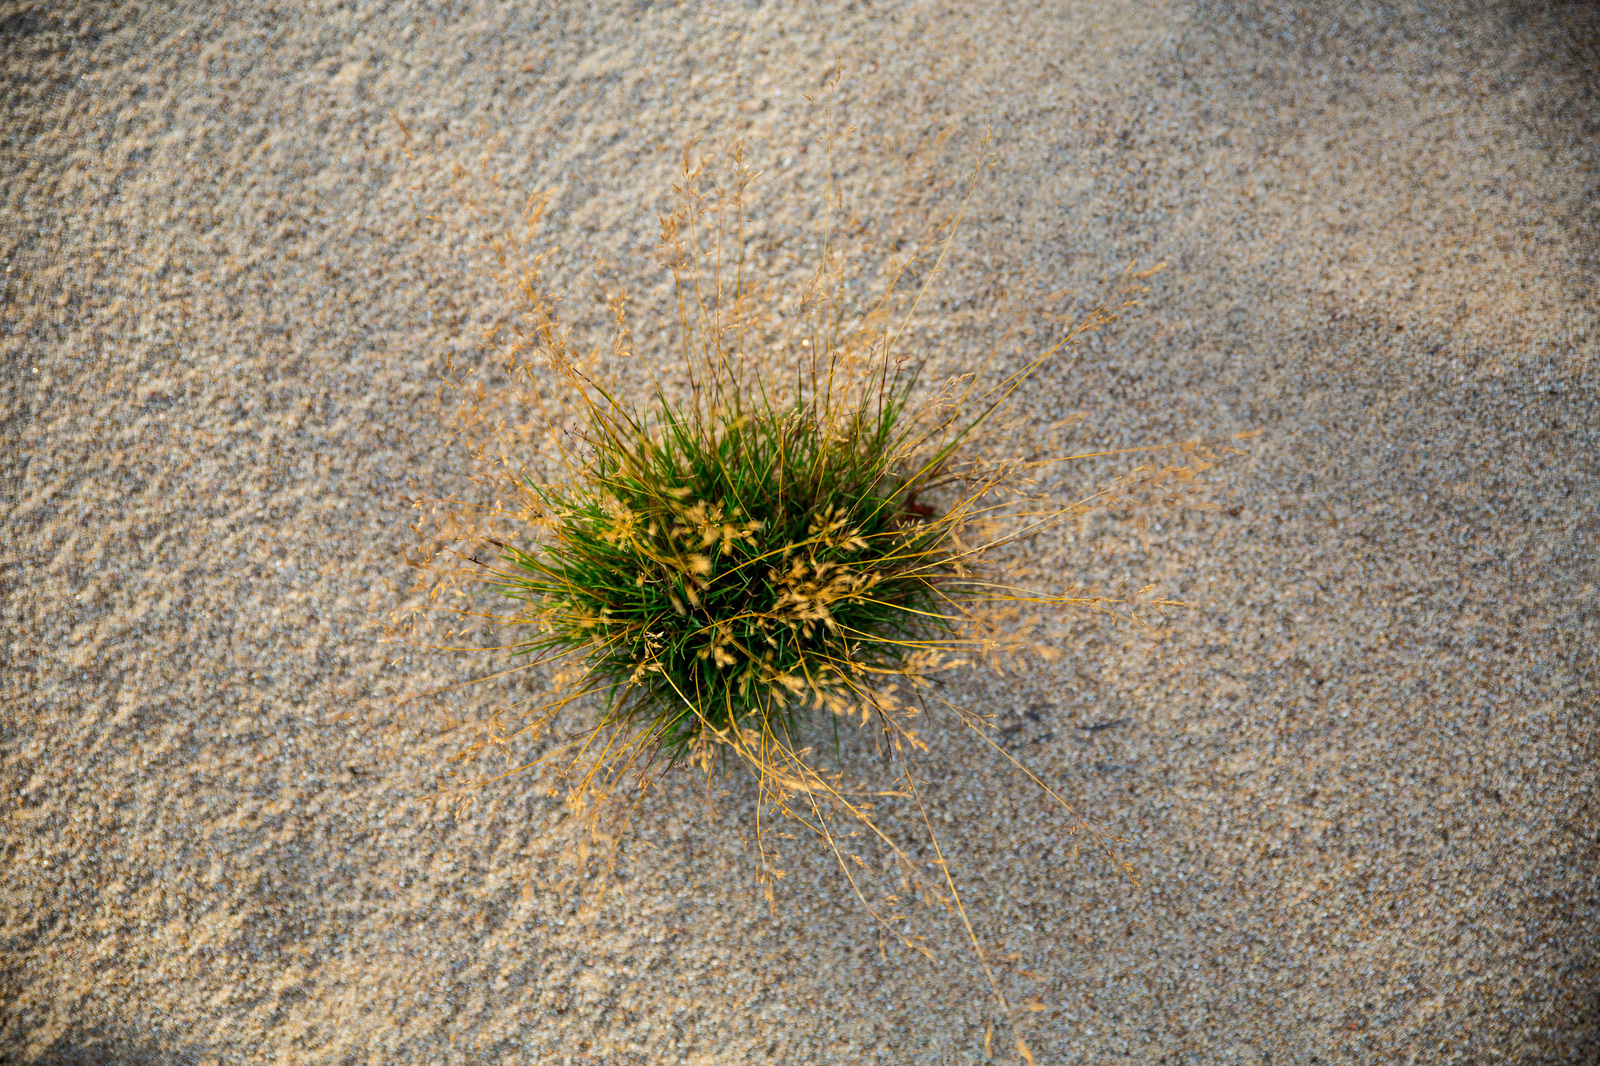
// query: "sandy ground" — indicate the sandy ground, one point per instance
point(1357, 784)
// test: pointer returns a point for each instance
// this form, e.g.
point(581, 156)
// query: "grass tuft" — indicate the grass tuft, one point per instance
point(802, 533)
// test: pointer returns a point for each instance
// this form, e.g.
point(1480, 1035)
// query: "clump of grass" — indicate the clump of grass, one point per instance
point(722, 570)
point(802, 535)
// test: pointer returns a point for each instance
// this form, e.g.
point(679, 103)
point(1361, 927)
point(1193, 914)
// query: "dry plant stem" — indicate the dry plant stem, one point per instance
point(811, 530)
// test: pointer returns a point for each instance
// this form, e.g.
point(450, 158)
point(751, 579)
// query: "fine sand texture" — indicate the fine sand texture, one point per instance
point(1356, 780)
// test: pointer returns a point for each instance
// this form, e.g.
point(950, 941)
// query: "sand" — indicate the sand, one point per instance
point(1356, 781)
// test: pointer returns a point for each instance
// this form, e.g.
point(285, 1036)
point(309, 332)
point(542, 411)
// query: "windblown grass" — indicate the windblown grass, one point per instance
point(802, 536)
